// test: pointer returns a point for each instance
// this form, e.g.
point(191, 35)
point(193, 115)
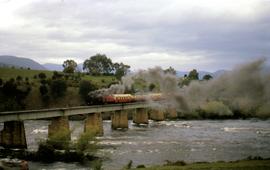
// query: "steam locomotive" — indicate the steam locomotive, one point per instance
point(99, 98)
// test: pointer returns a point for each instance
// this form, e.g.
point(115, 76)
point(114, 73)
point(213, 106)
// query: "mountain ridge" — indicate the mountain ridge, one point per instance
point(14, 61)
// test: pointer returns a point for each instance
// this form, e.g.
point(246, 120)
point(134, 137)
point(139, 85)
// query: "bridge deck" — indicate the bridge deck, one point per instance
point(49, 113)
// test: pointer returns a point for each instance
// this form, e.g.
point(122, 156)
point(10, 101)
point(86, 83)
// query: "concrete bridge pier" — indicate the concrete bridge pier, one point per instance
point(157, 115)
point(59, 129)
point(140, 116)
point(119, 119)
point(93, 124)
point(13, 135)
point(171, 113)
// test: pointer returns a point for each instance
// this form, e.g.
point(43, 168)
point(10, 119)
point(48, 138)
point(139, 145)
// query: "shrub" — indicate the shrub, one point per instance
point(14, 95)
point(43, 90)
point(58, 88)
point(85, 87)
point(19, 78)
point(42, 75)
point(86, 142)
point(57, 75)
point(9, 88)
point(60, 140)
point(43, 81)
point(46, 152)
point(215, 109)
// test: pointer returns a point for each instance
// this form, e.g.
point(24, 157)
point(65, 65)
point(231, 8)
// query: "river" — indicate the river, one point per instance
point(191, 141)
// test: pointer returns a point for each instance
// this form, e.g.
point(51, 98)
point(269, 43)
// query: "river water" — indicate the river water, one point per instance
point(191, 141)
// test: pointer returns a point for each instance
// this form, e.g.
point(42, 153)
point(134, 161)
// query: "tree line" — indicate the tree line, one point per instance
point(98, 64)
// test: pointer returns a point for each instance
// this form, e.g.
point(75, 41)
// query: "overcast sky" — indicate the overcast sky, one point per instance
point(185, 34)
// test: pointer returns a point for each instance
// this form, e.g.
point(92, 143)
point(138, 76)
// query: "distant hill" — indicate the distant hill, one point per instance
point(53, 67)
point(9, 61)
point(58, 67)
point(202, 73)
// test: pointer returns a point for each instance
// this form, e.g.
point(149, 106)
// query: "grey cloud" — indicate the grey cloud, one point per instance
point(140, 28)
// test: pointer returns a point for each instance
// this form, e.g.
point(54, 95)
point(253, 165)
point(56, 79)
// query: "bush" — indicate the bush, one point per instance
point(58, 88)
point(86, 142)
point(60, 140)
point(46, 152)
point(43, 90)
point(42, 75)
point(57, 75)
point(140, 166)
point(19, 78)
point(214, 109)
point(9, 88)
point(85, 87)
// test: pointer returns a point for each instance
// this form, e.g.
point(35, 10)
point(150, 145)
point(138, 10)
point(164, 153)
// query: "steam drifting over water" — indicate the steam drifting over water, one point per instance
point(245, 90)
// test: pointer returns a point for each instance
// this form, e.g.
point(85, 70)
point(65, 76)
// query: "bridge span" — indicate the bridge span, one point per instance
point(13, 134)
point(57, 112)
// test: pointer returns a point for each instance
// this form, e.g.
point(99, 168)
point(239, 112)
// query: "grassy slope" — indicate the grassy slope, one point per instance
point(72, 98)
point(8, 73)
point(239, 165)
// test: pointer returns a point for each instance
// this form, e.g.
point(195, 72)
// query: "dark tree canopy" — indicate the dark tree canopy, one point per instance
point(193, 75)
point(69, 66)
point(170, 70)
point(42, 75)
point(207, 77)
point(121, 70)
point(98, 64)
point(58, 88)
point(85, 87)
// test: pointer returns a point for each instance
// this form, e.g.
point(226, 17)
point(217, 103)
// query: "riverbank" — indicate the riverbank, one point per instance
point(236, 165)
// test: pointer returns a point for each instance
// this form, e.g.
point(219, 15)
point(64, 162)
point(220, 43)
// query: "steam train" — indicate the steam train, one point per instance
point(99, 98)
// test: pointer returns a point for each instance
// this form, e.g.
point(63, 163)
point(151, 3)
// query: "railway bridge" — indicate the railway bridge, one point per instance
point(13, 133)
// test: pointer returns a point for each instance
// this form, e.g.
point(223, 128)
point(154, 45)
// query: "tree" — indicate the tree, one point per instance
point(98, 64)
point(85, 87)
point(42, 75)
point(57, 75)
point(58, 88)
point(69, 66)
point(152, 87)
point(120, 70)
point(170, 70)
point(207, 77)
point(14, 95)
point(193, 75)
point(19, 78)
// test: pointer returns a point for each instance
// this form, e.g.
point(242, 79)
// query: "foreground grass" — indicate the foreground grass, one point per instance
point(237, 165)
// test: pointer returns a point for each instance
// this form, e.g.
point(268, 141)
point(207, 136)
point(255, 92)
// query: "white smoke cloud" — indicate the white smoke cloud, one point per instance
point(245, 89)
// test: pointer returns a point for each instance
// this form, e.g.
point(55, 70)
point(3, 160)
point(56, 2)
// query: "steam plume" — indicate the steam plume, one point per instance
point(245, 89)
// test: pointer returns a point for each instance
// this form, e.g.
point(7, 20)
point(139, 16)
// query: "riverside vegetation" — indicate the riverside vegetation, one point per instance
point(240, 93)
point(22, 89)
point(234, 165)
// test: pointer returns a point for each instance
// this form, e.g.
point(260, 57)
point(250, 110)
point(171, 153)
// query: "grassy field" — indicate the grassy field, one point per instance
point(34, 98)
point(8, 73)
point(237, 165)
